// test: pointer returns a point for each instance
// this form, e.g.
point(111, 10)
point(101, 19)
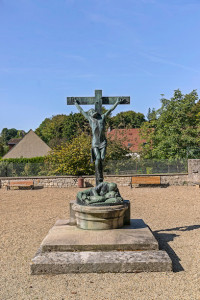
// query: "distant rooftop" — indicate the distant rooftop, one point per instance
point(29, 146)
point(129, 138)
point(14, 141)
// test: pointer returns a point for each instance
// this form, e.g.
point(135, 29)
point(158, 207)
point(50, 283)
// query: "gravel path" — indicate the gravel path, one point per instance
point(173, 214)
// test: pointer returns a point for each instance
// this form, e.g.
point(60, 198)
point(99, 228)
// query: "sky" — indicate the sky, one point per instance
point(52, 49)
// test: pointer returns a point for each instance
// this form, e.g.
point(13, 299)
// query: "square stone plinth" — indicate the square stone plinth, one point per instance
point(63, 237)
point(68, 249)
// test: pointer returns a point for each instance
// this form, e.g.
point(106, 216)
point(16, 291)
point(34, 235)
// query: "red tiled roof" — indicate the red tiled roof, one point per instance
point(129, 138)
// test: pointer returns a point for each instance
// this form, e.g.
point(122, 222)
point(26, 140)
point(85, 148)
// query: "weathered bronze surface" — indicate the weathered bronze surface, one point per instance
point(97, 122)
point(105, 193)
point(98, 100)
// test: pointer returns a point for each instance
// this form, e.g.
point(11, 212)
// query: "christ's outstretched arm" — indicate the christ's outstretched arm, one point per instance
point(119, 100)
point(81, 110)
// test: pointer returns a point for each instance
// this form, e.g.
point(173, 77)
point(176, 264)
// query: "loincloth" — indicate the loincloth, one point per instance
point(99, 146)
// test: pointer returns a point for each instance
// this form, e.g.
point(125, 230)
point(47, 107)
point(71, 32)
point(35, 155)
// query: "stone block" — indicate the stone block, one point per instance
point(63, 237)
point(72, 213)
point(100, 262)
point(69, 249)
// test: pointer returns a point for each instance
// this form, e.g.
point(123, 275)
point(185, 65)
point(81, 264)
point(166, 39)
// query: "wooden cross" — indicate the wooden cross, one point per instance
point(98, 100)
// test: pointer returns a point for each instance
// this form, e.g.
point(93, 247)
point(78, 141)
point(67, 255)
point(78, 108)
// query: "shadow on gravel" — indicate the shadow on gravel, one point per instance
point(164, 238)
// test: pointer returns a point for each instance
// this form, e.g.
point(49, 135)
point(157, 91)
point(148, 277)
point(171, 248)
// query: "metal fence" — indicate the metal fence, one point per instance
point(10, 169)
point(129, 166)
point(133, 166)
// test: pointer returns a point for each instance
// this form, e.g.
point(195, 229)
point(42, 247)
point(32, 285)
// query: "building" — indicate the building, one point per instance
point(13, 142)
point(128, 137)
point(29, 146)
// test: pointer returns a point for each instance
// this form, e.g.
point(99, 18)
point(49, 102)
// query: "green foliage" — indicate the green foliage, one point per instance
point(51, 128)
point(74, 157)
point(127, 119)
point(61, 128)
point(20, 134)
point(71, 158)
point(2, 150)
point(116, 151)
point(74, 124)
point(176, 127)
point(12, 167)
point(151, 115)
point(7, 134)
point(38, 159)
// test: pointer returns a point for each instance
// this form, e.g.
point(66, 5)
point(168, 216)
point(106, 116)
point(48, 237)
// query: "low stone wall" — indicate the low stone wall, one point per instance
point(72, 181)
point(46, 182)
point(191, 178)
point(194, 170)
point(176, 179)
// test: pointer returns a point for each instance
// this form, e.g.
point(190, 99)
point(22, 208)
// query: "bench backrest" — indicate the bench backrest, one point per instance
point(21, 182)
point(145, 180)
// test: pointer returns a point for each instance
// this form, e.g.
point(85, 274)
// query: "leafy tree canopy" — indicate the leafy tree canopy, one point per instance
point(176, 127)
point(1, 149)
point(71, 158)
point(74, 157)
point(7, 134)
point(62, 128)
point(52, 128)
point(127, 119)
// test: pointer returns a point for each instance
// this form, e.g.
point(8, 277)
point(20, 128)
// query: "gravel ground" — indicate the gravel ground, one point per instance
point(173, 214)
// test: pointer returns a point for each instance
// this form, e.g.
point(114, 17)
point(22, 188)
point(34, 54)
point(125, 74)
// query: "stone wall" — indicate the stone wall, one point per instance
point(194, 170)
point(175, 179)
point(50, 182)
point(191, 178)
point(72, 181)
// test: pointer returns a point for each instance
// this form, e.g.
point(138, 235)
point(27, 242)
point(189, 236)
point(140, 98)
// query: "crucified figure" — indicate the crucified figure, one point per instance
point(97, 123)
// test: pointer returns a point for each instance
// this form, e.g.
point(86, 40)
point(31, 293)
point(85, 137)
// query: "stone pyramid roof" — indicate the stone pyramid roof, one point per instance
point(31, 145)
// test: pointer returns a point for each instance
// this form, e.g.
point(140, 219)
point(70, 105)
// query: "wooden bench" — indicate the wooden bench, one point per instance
point(20, 184)
point(145, 180)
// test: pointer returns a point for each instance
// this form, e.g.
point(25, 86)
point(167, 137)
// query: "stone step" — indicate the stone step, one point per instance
point(63, 237)
point(100, 262)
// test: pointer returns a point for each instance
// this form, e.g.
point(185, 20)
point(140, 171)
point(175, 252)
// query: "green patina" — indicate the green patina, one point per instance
point(97, 122)
point(106, 193)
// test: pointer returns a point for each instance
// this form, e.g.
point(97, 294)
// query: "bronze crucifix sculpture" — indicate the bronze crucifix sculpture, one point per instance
point(97, 123)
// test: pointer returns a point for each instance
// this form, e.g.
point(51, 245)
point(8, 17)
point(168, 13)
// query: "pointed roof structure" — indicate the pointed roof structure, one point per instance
point(30, 145)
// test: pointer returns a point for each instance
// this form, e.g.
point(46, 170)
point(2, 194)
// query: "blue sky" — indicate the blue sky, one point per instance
point(51, 49)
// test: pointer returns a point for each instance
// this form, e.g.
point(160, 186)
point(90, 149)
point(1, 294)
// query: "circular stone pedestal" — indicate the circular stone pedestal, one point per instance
point(99, 217)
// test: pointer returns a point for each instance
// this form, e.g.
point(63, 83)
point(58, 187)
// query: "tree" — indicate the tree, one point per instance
point(1, 149)
point(127, 119)
point(116, 151)
point(51, 128)
point(176, 128)
point(74, 124)
point(151, 115)
point(74, 157)
point(62, 128)
point(71, 158)
point(8, 134)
